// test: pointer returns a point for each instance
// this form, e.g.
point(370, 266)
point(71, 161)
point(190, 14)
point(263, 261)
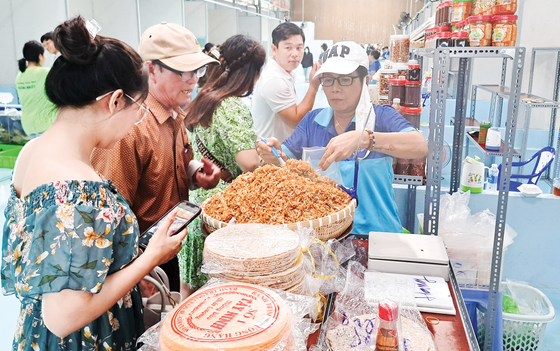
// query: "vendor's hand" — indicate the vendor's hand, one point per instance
point(265, 151)
point(340, 148)
point(314, 81)
point(209, 175)
point(162, 246)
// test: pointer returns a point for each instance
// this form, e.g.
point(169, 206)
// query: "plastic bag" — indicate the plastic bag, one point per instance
point(310, 267)
point(354, 322)
point(460, 229)
point(528, 303)
point(313, 155)
point(300, 326)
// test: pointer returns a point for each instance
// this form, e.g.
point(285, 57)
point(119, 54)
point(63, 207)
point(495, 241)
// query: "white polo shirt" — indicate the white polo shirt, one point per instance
point(275, 91)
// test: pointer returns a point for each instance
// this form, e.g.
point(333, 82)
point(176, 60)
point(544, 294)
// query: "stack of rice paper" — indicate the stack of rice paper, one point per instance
point(229, 317)
point(255, 253)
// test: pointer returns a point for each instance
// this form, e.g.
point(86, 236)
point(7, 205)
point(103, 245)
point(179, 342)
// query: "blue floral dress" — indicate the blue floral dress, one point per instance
point(70, 235)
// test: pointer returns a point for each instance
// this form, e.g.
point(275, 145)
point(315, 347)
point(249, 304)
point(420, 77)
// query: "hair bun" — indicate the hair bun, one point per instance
point(74, 42)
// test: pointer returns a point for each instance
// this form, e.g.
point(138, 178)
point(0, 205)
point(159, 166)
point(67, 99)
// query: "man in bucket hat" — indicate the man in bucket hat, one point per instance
point(153, 166)
point(352, 123)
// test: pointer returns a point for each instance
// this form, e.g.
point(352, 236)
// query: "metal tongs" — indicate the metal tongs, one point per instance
point(353, 192)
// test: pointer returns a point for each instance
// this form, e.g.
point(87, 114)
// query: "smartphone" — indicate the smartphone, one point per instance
point(186, 214)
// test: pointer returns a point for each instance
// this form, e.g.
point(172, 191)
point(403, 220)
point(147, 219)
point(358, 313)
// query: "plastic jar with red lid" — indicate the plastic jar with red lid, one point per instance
point(504, 32)
point(414, 72)
point(462, 9)
point(484, 7)
point(413, 94)
point(443, 39)
point(412, 114)
point(396, 89)
point(480, 30)
point(460, 26)
point(505, 7)
point(460, 39)
point(446, 8)
point(438, 15)
point(443, 28)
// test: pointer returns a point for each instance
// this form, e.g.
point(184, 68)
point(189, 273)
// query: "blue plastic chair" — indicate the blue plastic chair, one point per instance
point(543, 159)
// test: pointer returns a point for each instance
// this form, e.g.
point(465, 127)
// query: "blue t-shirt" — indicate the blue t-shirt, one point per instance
point(375, 66)
point(377, 208)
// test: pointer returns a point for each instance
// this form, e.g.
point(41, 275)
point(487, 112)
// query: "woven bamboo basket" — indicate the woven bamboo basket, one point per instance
point(328, 227)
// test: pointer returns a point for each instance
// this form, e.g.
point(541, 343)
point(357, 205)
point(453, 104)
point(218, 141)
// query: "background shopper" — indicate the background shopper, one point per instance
point(37, 112)
point(222, 131)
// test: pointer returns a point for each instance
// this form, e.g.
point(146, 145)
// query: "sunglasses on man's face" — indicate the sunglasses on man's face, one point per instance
point(185, 76)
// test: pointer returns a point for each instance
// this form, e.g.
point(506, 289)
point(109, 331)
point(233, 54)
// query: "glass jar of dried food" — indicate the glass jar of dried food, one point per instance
point(412, 114)
point(384, 76)
point(396, 89)
point(505, 7)
point(504, 32)
point(480, 30)
point(413, 94)
point(402, 69)
point(462, 9)
point(399, 47)
point(460, 39)
point(483, 7)
point(413, 72)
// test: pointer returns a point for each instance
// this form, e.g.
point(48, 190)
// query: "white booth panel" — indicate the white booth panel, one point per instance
point(154, 12)
point(196, 19)
point(222, 24)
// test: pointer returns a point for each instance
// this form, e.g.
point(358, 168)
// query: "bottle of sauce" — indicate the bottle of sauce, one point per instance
point(387, 335)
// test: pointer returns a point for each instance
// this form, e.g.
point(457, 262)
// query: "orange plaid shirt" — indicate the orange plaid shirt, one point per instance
point(149, 165)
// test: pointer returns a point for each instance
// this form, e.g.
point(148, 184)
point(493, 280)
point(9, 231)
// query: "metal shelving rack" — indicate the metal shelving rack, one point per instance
point(412, 182)
point(529, 101)
point(441, 63)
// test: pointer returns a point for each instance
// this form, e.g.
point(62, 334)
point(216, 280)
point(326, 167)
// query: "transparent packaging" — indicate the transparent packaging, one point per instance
point(504, 30)
point(414, 72)
point(460, 39)
point(399, 48)
point(282, 320)
point(412, 114)
point(354, 323)
point(413, 92)
point(446, 11)
point(462, 9)
point(484, 7)
point(480, 31)
point(384, 82)
point(505, 7)
point(443, 39)
point(396, 89)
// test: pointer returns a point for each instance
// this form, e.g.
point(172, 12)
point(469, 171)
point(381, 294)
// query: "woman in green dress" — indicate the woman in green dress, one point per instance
point(69, 247)
point(221, 126)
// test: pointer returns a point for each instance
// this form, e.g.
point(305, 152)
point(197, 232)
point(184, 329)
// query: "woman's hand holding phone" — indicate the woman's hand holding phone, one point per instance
point(163, 246)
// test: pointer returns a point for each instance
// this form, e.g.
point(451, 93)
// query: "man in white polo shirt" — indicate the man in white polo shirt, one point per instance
point(276, 112)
